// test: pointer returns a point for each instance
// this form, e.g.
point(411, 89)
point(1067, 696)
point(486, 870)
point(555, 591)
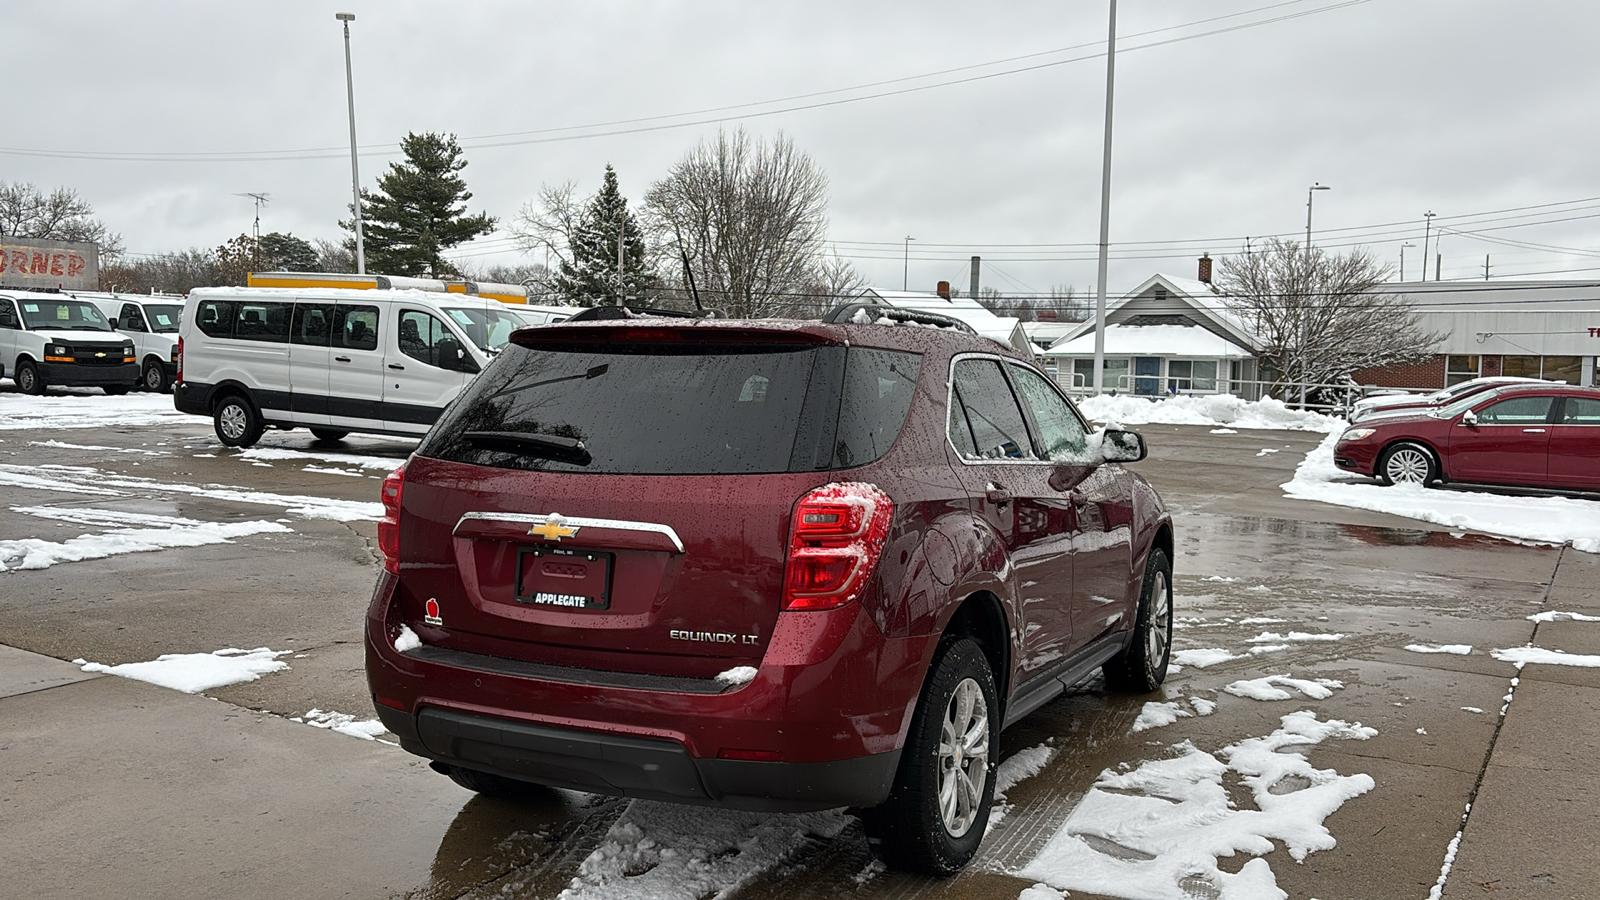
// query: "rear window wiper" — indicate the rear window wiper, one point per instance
point(548, 446)
point(591, 372)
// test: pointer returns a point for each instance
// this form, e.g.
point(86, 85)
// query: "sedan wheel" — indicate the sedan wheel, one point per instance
point(1408, 464)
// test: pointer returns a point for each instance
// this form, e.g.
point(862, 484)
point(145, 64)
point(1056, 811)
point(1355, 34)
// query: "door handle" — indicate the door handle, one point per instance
point(396, 366)
point(997, 495)
point(341, 359)
point(1533, 431)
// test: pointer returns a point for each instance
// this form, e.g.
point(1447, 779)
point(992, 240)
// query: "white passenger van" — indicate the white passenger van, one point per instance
point(151, 322)
point(55, 339)
point(334, 360)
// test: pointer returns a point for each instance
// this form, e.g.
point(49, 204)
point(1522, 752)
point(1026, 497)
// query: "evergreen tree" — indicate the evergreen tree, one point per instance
point(590, 277)
point(286, 253)
point(419, 210)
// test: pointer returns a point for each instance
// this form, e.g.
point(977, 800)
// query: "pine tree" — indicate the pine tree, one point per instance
point(590, 278)
point(419, 210)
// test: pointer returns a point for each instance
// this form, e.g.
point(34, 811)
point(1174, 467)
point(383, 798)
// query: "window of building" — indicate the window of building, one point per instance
point(1553, 368)
point(1462, 368)
point(1116, 374)
point(1185, 375)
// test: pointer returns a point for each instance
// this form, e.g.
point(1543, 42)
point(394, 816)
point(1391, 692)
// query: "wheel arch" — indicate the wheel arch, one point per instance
point(982, 617)
point(1383, 455)
point(223, 390)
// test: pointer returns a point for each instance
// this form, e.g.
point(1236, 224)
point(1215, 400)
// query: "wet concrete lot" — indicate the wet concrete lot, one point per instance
point(119, 788)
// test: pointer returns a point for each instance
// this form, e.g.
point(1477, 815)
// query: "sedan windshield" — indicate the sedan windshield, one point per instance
point(63, 315)
point(486, 326)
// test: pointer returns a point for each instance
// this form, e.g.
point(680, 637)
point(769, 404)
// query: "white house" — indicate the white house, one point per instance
point(1168, 336)
point(1005, 329)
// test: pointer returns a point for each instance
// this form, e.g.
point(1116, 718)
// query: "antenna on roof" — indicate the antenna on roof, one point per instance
point(261, 199)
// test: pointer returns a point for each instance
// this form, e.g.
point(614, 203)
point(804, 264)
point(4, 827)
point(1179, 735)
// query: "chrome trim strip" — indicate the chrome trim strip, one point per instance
point(531, 519)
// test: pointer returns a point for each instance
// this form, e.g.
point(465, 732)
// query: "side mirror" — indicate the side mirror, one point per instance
point(1469, 418)
point(1122, 446)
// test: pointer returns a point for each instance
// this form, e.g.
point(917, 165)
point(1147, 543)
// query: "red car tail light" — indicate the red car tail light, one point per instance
point(834, 541)
point(180, 359)
point(389, 525)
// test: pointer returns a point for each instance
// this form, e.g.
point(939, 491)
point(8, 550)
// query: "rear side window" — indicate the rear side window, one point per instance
point(356, 327)
point(267, 322)
point(215, 317)
point(1581, 411)
point(678, 409)
point(312, 324)
point(990, 423)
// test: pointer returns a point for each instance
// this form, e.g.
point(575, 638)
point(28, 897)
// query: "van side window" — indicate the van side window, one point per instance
point(216, 317)
point(131, 318)
point(421, 335)
point(356, 327)
point(311, 324)
point(263, 322)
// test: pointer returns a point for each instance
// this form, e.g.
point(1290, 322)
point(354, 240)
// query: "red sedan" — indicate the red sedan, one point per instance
point(1522, 435)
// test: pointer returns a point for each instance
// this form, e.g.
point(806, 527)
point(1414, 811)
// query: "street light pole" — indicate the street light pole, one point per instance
point(1427, 218)
point(905, 276)
point(1309, 194)
point(1105, 210)
point(355, 169)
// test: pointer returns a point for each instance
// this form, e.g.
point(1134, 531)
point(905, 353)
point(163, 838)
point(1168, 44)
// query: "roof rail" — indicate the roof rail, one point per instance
point(852, 313)
point(604, 313)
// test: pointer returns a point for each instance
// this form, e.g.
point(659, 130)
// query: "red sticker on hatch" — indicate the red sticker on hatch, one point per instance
point(431, 612)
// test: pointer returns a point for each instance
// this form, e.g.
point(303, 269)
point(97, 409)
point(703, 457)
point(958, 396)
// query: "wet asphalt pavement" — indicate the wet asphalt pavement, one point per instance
point(118, 788)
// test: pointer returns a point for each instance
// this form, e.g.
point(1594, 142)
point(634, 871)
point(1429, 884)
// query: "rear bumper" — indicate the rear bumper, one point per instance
point(820, 726)
point(74, 375)
point(647, 768)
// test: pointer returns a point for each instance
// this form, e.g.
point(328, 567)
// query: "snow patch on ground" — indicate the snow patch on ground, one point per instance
point(63, 445)
point(196, 672)
point(1017, 767)
point(1457, 649)
point(1271, 687)
point(1157, 714)
point(1522, 656)
point(96, 482)
point(276, 454)
point(1156, 832)
point(1552, 520)
point(666, 851)
point(158, 533)
point(1558, 616)
point(344, 723)
point(1218, 409)
point(74, 410)
point(1201, 658)
point(1272, 637)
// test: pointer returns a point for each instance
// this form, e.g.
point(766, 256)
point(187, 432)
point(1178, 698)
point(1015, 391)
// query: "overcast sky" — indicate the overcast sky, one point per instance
point(1473, 109)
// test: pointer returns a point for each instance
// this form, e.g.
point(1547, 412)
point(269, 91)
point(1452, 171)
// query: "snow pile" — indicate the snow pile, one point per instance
point(1457, 649)
point(1554, 520)
point(737, 675)
point(1156, 832)
point(407, 640)
point(1156, 714)
point(1271, 687)
point(1216, 409)
point(96, 410)
point(89, 480)
point(196, 672)
point(158, 533)
point(344, 723)
point(666, 851)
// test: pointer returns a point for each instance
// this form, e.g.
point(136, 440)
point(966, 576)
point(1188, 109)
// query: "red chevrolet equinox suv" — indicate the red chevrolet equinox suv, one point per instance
point(767, 565)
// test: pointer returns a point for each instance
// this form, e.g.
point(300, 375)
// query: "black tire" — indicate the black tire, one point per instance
point(116, 390)
point(154, 378)
point(1142, 667)
point(915, 829)
point(328, 434)
point(491, 785)
point(27, 378)
point(1408, 463)
point(237, 423)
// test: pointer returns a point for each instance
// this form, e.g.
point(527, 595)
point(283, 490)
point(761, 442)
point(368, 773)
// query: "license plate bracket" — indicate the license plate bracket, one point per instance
point(563, 577)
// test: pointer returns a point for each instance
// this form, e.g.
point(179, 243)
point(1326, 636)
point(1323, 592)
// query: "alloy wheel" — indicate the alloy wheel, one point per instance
point(963, 757)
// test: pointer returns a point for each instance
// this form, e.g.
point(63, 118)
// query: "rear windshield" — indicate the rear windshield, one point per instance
point(679, 410)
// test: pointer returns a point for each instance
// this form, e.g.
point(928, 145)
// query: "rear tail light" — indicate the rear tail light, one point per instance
point(389, 525)
point(177, 356)
point(834, 542)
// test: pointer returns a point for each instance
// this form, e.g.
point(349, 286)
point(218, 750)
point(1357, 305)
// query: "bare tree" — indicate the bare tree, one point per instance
point(333, 256)
point(833, 281)
point(1321, 316)
point(175, 273)
point(27, 211)
point(546, 228)
point(750, 217)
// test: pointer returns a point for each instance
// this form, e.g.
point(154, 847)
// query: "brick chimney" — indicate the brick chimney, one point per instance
point(944, 289)
point(1205, 268)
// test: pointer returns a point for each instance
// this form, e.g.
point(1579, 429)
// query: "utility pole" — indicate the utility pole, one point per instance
point(1486, 267)
point(1427, 218)
point(621, 258)
point(355, 170)
point(1105, 211)
point(905, 274)
point(974, 294)
point(261, 200)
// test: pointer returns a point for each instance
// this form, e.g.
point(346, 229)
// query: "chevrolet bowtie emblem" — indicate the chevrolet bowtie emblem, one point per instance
point(553, 530)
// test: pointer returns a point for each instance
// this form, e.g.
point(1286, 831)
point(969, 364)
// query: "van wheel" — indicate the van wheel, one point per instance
point(938, 810)
point(155, 378)
point(1143, 665)
point(27, 378)
point(328, 434)
point(236, 421)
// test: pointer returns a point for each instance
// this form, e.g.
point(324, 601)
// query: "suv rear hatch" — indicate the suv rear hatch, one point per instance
point(619, 497)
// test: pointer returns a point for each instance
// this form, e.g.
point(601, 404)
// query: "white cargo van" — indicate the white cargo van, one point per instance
point(152, 324)
point(58, 340)
point(334, 360)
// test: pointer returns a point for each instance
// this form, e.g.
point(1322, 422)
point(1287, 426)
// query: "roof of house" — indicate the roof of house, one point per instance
point(1153, 340)
point(1208, 307)
point(1005, 329)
